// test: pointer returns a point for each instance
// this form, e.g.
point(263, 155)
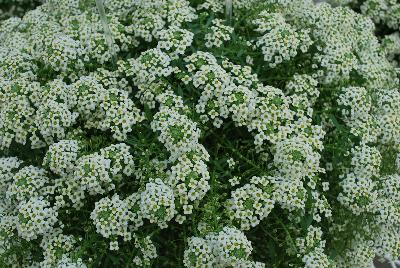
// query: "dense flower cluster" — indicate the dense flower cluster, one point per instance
point(111, 218)
point(219, 34)
point(55, 245)
point(280, 41)
point(147, 133)
point(226, 248)
point(251, 203)
point(35, 217)
point(386, 16)
point(61, 156)
point(387, 12)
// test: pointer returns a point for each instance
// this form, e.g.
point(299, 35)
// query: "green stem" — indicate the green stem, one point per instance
point(107, 32)
point(287, 233)
point(228, 11)
point(50, 5)
point(237, 153)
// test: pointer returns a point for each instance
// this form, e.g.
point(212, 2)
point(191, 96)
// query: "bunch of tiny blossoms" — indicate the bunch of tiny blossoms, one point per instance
point(164, 134)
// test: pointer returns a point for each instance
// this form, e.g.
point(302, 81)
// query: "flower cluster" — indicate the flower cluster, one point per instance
point(280, 41)
point(175, 41)
point(189, 178)
point(35, 217)
point(129, 128)
point(383, 11)
point(149, 18)
point(64, 54)
point(312, 246)
point(56, 108)
point(111, 216)
point(28, 182)
point(229, 247)
point(57, 246)
point(391, 46)
point(106, 109)
point(61, 157)
point(146, 70)
point(157, 203)
point(92, 173)
point(251, 203)
point(356, 112)
point(146, 251)
point(219, 33)
point(178, 133)
point(8, 166)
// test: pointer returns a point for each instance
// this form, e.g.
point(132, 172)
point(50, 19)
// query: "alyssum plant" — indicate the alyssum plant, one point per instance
point(270, 139)
point(386, 16)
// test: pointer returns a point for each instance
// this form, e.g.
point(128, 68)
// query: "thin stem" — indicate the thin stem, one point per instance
point(236, 152)
point(287, 233)
point(50, 5)
point(228, 11)
point(107, 32)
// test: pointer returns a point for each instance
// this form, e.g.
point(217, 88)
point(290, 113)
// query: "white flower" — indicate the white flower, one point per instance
point(61, 157)
point(28, 182)
point(157, 203)
point(251, 203)
point(56, 245)
point(111, 217)
point(35, 217)
point(235, 180)
point(219, 33)
point(198, 253)
point(229, 246)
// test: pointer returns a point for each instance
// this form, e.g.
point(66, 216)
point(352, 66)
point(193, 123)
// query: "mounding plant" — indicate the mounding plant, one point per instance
point(175, 133)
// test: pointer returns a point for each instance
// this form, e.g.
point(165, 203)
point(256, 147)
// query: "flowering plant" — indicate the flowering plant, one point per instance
point(161, 134)
point(386, 16)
